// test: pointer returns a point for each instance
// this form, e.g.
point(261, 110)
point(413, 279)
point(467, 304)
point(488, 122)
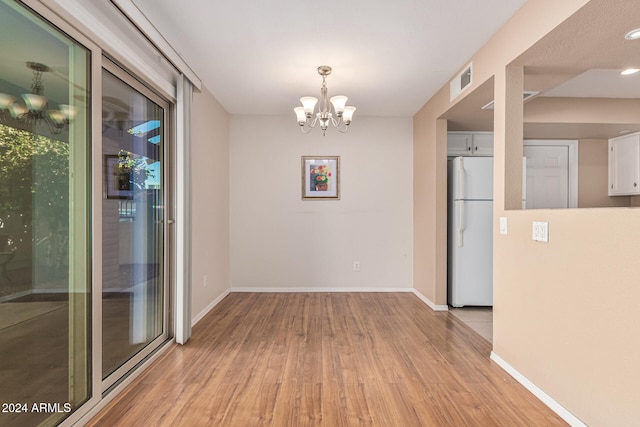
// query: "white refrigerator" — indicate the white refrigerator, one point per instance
point(470, 265)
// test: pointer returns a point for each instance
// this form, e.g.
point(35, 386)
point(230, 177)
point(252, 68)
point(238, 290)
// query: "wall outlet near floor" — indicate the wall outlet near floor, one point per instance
point(356, 265)
point(541, 231)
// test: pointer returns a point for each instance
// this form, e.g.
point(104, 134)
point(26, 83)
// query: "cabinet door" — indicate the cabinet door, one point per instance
point(624, 165)
point(459, 144)
point(482, 144)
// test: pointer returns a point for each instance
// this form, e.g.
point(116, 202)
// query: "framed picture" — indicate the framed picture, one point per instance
point(117, 179)
point(320, 178)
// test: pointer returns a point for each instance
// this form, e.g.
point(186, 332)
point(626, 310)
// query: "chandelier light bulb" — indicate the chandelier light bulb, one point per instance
point(347, 116)
point(308, 103)
point(339, 103)
point(34, 102)
point(57, 117)
point(6, 101)
point(68, 111)
point(300, 114)
point(17, 110)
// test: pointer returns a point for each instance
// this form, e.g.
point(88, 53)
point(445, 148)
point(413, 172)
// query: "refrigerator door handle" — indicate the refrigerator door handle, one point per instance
point(461, 178)
point(460, 225)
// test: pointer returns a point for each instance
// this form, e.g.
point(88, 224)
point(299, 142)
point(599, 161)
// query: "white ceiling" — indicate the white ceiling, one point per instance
point(389, 58)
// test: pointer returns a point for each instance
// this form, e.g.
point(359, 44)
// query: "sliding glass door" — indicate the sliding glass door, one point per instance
point(65, 339)
point(45, 352)
point(134, 239)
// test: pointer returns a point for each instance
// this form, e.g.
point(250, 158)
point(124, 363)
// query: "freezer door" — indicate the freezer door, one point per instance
point(472, 178)
point(471, 254)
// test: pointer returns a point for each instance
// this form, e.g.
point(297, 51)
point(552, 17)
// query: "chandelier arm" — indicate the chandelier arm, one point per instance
point(345, 127)
point(54, 128)
point(308, 125)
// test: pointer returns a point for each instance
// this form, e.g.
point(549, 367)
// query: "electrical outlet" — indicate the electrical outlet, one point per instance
point(541, 231)
point(356, 265)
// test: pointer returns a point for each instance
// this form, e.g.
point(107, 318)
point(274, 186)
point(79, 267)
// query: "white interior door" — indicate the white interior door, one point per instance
point(548, 176)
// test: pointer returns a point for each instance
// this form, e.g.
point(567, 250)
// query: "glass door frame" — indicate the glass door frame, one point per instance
point(167, 188)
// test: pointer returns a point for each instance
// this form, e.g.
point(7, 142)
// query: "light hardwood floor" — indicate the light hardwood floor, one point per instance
point(327, 359)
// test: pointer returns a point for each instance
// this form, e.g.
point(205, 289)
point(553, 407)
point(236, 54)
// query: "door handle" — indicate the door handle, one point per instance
point(170, 221)
point(460, 225)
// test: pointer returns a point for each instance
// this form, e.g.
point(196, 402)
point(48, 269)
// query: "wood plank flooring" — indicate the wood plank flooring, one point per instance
point(327, 359)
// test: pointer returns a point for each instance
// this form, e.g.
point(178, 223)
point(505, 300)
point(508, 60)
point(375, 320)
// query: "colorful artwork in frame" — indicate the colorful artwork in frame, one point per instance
point(320, 178)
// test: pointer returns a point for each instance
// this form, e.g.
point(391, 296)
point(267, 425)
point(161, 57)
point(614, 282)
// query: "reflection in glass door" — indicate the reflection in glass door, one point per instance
point(44, 220)
point(134, 296)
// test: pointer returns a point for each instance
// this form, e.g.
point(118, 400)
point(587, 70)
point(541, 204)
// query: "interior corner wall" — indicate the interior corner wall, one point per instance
point(279, 241)
point(210, 202)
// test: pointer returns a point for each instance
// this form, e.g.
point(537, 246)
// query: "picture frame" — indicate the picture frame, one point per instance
point(320, 178)
point(117, 180)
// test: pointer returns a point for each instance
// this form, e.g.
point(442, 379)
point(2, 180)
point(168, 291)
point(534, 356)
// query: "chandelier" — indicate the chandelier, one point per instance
point(336, 113)
point(35, 103)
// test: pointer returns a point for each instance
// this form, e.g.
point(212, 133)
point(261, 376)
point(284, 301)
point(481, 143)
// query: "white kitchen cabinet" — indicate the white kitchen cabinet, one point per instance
point(624, 165)
point(469, 144)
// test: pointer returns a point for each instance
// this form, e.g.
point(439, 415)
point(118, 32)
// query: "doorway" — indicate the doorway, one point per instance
point(551, 174)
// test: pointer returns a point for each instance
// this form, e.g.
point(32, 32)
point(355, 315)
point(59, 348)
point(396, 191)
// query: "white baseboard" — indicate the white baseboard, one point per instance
point(434, 307)
point(562, 412)
point(320, 289)
point(208, 308)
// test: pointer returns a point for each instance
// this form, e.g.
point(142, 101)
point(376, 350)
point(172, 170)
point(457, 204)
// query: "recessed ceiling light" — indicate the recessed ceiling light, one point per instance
point(633, 34)
point(629, 71)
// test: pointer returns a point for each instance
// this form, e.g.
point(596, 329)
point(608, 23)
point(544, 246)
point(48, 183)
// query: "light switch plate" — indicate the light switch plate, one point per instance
point(503, 225)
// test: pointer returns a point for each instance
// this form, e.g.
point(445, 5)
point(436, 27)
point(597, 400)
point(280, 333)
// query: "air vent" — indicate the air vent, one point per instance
point(461, 82)
point(526, 95)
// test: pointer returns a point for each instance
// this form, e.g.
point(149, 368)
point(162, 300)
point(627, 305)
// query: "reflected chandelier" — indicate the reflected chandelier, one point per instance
point(327, 113)
point(34, 110)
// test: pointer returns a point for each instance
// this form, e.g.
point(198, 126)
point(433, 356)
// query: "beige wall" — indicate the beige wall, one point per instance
point(210, 202)
point(564, 311)
point(281, 241)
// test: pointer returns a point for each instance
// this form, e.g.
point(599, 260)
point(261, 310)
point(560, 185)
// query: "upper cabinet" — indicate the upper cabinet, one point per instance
point(624, 165)
point(470, 144)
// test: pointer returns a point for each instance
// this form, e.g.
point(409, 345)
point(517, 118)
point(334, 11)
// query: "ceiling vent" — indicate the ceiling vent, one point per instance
point(526, 96)
point(461, 82)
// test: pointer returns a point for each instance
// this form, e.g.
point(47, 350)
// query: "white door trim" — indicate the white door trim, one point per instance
point(572, 145)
